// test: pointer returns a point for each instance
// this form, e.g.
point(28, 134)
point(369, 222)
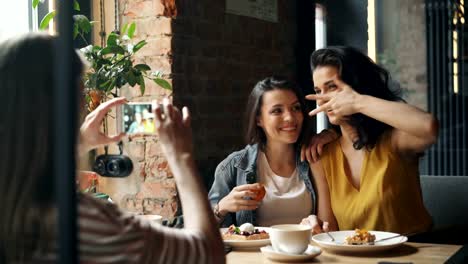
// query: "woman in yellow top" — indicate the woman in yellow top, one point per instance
point(370, 175)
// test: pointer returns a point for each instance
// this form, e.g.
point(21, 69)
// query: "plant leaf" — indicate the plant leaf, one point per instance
point(112, 39)
point(112, 50)
point(139, 45)
point(131, 30)
point(87, 190)
point(103, 85)
point(124, 29)
point(46, 19)
point(96, 48)
point(163, 83)
point(142, 67)
point(111, 86)
point(75, 30)
point(35, 3)
point(131, 78)
point(76, 5)
point(141, 82)
point(100, 195)
point(83, 23)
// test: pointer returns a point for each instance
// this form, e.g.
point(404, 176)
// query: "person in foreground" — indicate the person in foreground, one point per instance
point(371, 173)
point(106, 234)
point(275, 128)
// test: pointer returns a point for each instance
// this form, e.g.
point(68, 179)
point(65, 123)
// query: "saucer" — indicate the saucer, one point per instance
point(270, 253)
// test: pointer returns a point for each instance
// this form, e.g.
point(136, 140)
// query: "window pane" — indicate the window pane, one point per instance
point(14, 17)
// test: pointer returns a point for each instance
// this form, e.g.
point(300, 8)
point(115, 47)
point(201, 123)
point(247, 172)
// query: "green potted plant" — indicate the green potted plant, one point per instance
point(112, 66)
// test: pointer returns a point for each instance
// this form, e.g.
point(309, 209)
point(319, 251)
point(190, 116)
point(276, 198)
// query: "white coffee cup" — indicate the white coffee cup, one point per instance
point(290, 238)
point(153, 219)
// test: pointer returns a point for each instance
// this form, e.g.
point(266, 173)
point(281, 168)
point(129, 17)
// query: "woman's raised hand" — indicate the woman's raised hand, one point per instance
point(342, 102)
point(242, 197)
point(173, 128)
point(91, 135)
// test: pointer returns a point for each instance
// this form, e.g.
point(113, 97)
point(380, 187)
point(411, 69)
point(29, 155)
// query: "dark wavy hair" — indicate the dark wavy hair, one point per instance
point(255, 134)
point(365, 77)
point(28, 220)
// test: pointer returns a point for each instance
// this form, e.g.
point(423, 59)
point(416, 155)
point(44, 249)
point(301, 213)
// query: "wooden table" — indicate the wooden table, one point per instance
point(416, 253)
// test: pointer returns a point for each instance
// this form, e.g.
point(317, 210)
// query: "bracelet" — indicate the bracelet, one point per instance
point(217, 213)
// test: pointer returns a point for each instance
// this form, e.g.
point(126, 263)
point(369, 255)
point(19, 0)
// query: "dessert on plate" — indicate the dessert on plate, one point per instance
point(244, 232)
point(360, 237)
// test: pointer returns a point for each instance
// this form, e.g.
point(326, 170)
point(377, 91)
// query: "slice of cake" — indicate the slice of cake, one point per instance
point(244, 232)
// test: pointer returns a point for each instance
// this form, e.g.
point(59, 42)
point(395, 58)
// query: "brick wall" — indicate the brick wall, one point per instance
point(213, 60)
point(217, 59)
point(150, 189)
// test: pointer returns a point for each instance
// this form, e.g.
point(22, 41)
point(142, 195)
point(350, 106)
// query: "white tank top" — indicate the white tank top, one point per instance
point(287, 200)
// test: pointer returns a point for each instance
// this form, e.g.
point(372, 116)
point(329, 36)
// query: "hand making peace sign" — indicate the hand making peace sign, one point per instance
point(341, 102)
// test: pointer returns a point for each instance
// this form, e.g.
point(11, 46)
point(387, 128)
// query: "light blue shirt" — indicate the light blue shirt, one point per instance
point(240, 168)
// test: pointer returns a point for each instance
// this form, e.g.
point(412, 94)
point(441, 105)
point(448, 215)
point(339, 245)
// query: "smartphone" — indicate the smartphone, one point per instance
point(136, 117)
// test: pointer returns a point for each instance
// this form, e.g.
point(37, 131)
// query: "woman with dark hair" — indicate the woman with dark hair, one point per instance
point(28, 225)
point(275, 128)
point(371, 173)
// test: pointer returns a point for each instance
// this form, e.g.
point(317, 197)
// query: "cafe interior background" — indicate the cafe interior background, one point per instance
point(212, 53)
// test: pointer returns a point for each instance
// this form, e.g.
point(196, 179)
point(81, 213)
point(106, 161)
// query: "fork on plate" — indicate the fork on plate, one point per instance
point(332, 238)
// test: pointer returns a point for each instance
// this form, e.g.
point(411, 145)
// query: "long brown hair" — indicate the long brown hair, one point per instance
point(366, 77)
point(27, 196)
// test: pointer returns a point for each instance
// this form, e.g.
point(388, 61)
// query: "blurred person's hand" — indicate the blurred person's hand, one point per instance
point(317, 225)
point(175, 137)
point(91, 135)
point(173, 128)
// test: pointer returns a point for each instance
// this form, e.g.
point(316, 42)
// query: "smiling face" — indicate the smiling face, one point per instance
point(324, 83)
point(281, 116)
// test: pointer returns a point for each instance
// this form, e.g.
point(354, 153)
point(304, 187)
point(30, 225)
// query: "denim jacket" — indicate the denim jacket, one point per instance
point(240, 168)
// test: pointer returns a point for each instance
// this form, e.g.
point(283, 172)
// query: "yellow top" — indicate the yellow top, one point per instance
point(389, 198)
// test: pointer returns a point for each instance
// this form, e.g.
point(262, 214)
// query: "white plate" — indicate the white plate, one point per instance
point(310, 253)
point(247, 244)
point(324, 241)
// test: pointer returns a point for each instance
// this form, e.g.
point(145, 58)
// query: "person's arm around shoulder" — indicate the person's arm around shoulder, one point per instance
point(312, 150)
point(176, 141)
